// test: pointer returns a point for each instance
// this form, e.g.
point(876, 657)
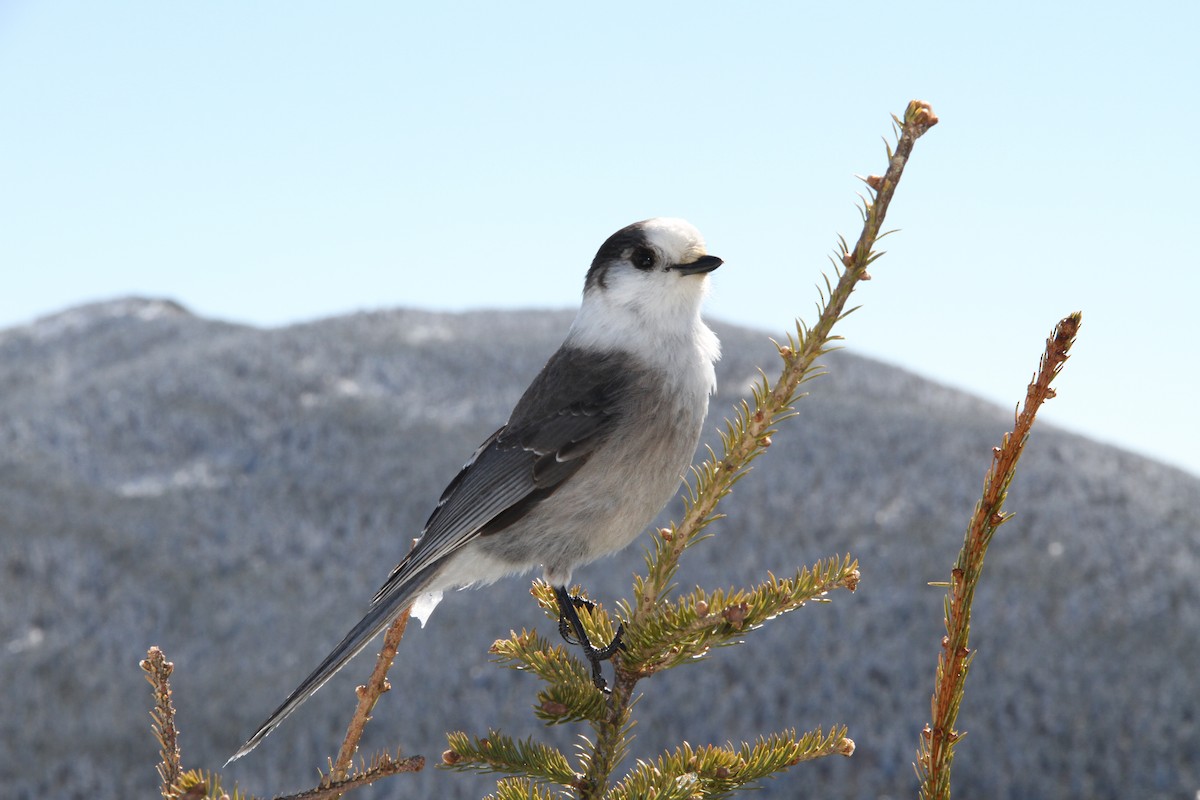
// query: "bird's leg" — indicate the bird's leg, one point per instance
point(569, 623)
point(564, 622)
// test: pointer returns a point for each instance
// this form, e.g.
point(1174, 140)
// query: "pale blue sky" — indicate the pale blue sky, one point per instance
point(272, 162)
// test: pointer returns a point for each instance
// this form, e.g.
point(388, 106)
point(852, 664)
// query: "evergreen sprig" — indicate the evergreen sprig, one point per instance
point(679, 632)
point(716, 772)
point(570, 695)
point(684, 630)
point(194, 784)
point(158, 672)
point(180, 784)
point(940, 737)
point(343, 777)
point(497, 752)
point(520, 789)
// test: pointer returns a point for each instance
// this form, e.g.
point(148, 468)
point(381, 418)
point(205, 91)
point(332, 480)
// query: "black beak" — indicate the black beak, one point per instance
point(700, 265)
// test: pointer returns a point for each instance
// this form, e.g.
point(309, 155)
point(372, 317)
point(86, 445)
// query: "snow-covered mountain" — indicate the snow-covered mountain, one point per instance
point(236, 495)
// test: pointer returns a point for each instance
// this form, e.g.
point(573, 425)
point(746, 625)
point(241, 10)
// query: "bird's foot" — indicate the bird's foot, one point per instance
point(564, 622)
point(570, 625)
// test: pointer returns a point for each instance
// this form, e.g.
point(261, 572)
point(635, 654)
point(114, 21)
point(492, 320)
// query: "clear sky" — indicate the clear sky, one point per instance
point(272, 162)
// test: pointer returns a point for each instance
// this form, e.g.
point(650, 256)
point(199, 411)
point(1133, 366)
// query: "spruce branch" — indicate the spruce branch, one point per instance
point(497, 752)
point(570, 695)
point(939, 737)
point(716, 772)
point(383, 765)
point(194, 784)
point(685, 629)
point(368, 695)
point(519, 789)
point(178, 784)
point(158, 672)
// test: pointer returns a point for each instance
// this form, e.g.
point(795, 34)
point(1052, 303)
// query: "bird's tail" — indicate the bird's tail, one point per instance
point(381, 615)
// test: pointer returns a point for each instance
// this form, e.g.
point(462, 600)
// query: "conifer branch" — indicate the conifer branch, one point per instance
point(520, 789)
point(684, 630)
point(715, 772)
point(938, 739)
point(194, 784)
point(178, 784)
point(368, 695)
point(613, 734)
point(497, 752)
point(158, 672)
point(381, 766)
point(569, 695)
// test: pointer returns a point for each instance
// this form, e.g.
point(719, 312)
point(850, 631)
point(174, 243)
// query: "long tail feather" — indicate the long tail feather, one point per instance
point(375, 622)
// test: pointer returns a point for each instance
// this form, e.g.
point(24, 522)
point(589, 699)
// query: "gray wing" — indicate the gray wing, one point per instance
point(564, 415)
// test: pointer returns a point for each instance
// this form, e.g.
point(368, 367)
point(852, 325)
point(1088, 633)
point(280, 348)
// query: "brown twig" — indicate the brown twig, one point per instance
point(939, 737)
point(368, 695)
point(158, 672)
point(383, 766)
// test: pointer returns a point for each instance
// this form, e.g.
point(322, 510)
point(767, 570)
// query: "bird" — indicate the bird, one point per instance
point(593, 450)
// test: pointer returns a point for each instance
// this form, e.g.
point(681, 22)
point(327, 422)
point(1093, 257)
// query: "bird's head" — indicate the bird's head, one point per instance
point(656, 266)
point(645, 286)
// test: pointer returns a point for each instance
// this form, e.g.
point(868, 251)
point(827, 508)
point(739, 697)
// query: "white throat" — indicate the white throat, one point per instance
point(661, 329)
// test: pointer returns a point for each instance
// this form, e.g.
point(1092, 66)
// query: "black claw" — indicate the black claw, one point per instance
point(564, 622)
point(569, 623)
point(564, 629)
point(609, 650)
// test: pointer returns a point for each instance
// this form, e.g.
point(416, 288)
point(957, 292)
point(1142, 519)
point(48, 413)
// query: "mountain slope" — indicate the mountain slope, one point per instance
point(236, 496)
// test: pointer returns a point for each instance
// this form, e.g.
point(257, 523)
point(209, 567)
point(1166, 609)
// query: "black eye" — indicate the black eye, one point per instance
point(643, 258)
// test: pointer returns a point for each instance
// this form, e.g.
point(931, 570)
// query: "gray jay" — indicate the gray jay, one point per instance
point(592, 452)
